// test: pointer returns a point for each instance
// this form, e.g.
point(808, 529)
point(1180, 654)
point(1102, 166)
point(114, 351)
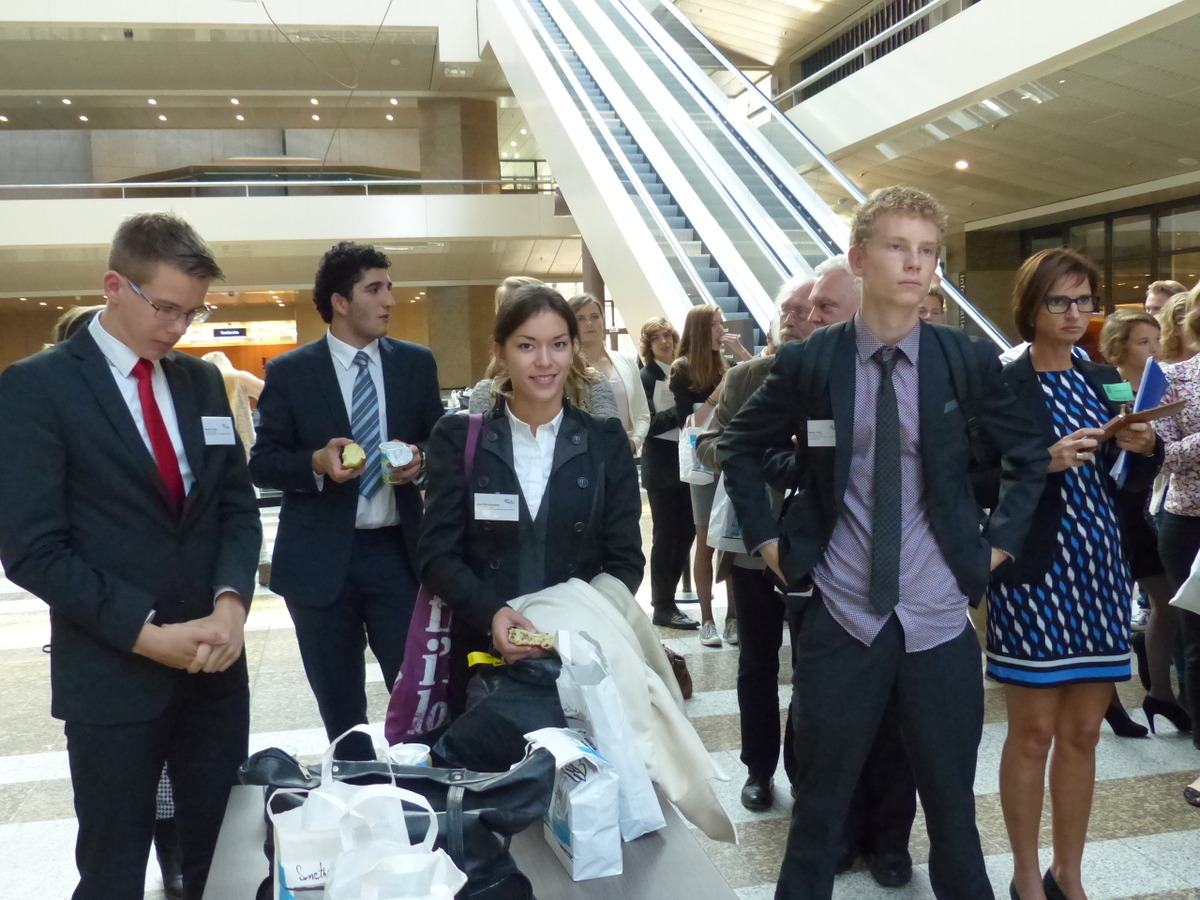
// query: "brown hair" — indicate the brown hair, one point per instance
point(1166, 286)
point(903, 200)
point(705, 367)
point(1114, 336)
point(74, 320)
point(519, 307)
point(1038, 274)
point(510, 284)
point(1172, 319)
point(651, 327)
point(145, 241)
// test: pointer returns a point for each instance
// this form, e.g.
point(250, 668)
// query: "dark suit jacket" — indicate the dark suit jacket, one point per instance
point(660, 459)
point(779, 410)
point(1036, 557)
point(588, 519)
point(740, 384)
point(301, 409)
point(85, 523)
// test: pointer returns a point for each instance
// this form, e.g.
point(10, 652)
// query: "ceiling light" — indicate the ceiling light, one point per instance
point(162, 118)
point(393, 101)
point(390, 117)
point(524, 131)
point(512, 143)
point(58, 307)
point(313, 101)
point(961, 164)
point(24, 299)
point(83, 118)
point(240, 117)
point(152, 102)
point(66, 102)
point(41, 303)
point(3, 118)
point(504, 156)
point(234, 100)
point(316, 118)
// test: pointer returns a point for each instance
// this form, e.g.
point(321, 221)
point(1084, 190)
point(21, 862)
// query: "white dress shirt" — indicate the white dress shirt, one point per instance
point(533, 457)
point(380, 510)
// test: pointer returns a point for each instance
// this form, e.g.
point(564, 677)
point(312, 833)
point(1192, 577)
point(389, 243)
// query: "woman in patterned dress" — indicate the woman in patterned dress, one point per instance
point(1058, 611)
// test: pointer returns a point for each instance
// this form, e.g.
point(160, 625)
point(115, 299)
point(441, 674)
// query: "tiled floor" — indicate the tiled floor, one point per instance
point(1144, 840)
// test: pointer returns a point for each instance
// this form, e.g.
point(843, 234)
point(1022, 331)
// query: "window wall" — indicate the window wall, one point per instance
point(1132, 248)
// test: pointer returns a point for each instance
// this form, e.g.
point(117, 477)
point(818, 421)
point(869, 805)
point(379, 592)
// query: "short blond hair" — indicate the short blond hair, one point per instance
point(1114, 336)
point(896, 199)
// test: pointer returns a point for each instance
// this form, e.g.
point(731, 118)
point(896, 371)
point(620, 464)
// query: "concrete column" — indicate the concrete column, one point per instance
point(459, 140)
point(460, 322)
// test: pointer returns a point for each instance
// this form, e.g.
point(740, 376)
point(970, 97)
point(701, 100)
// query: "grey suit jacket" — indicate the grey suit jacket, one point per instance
point(85, 522)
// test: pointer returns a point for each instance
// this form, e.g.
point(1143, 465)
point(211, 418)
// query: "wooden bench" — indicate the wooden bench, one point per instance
point(667, 863)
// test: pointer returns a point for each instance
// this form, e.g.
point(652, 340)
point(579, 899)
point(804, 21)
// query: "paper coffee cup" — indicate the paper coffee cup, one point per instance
point(409, 754)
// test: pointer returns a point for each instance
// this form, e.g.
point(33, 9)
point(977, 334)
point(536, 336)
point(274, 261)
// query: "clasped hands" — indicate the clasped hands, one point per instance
point(328, 462)
point(209, 644)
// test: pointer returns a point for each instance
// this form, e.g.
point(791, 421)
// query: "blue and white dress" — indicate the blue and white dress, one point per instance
point(1073, 625)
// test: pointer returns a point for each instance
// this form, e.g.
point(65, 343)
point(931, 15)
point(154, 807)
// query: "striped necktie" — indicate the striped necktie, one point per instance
point(364, 425)
point(886, 525)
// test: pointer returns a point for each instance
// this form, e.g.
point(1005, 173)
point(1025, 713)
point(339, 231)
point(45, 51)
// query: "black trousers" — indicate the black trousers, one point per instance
point(1178, 541)
point(841, 690)
point(375, 608)
point(672, 535)
point(761, 615)
point(204, 736)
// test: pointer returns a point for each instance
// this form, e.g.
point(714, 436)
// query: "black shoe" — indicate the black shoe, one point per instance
point(170, 860)
point(674, 618)
point(891, 870)
point(1051, 888)
point(1172, 712)
point(1012, 891)
point(1123, 726)
point(757, 794)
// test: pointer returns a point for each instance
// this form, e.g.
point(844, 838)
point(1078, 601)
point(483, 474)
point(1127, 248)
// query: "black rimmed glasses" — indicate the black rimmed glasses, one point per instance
point(174, 313)
point(1059, 304)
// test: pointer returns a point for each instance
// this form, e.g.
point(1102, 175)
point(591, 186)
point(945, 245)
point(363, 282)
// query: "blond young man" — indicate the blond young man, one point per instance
point(886, 533)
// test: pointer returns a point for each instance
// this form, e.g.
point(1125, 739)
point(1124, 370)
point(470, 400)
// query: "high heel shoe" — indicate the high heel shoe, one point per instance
point(1169, 710)
point(1051, 888)
point(1123, 726)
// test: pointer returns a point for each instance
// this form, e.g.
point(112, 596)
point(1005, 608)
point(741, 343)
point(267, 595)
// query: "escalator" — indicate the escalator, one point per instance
point(686, 183)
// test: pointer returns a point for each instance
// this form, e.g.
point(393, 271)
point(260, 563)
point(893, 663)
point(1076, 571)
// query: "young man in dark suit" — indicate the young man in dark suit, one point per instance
point(887, 532)
point(127, 508)
point(347, 537)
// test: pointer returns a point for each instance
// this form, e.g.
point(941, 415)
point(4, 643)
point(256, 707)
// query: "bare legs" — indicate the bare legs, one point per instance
point(702, 572)
point(1066, 719)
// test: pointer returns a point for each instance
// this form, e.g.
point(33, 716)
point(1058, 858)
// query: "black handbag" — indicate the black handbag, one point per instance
point(477, 812)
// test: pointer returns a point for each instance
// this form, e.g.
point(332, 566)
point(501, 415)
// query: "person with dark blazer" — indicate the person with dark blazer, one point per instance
point(127, 508)
point(344, 559)
point(890, 542)
point(551, 493)
point(1058, 613)
point(670, 499)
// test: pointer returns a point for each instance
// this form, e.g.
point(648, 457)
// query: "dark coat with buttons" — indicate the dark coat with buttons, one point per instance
point(588, 522)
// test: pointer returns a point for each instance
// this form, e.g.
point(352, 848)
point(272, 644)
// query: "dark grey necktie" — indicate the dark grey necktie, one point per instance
point(885, 520)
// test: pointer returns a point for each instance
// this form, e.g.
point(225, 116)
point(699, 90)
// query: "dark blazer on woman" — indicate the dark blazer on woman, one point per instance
point(588, 522)
point(660, 459)
point(1035, 558)
point(686, 397)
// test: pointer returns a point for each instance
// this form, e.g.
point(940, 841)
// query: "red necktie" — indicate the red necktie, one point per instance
point(160, 439)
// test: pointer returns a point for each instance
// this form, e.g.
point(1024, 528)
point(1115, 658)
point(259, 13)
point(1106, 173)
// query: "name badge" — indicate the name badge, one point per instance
point(217, 430)
point(821, 433)
point(497, 507)
point(1120, 392)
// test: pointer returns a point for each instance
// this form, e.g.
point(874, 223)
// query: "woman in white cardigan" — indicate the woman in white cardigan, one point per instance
point(621, 371)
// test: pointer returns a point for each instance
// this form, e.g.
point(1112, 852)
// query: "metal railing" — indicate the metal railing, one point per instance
point(275, 188)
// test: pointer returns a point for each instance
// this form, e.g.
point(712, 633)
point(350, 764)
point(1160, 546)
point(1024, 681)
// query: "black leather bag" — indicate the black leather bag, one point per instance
point(478, 812)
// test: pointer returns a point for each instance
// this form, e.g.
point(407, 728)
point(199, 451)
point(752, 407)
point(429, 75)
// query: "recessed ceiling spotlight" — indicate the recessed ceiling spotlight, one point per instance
point(961, 164)
point(66, 102)
point(3, 118)
point(240, 117)
point(504, 156)
point(234, 101)
point(58, 307)
point(393, 101)
point(314, 101)
point(41, 303)
point(316, 118)
point(152, 102)
point(162, 118)
point(512, 143)
point(390, 117)
point(524, 131)
point(83, 118)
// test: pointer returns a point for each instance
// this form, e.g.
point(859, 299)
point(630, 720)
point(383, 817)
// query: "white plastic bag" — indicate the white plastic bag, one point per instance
point(592, 706)
point(581, 824)
point(307, 838)
point(691, 470)
point(724, 532)
point(377, 861)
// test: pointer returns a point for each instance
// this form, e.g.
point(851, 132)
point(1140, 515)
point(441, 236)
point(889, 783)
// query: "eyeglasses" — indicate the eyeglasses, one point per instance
point(1059, 304)
point(173, 314)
